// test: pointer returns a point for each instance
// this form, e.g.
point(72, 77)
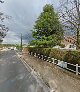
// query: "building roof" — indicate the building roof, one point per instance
point(69, 40)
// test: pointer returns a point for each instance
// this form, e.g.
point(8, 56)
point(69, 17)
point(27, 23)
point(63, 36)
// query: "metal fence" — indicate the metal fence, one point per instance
point(62, 64)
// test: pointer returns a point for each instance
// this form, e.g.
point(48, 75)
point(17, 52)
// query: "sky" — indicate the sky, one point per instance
point(23, 16)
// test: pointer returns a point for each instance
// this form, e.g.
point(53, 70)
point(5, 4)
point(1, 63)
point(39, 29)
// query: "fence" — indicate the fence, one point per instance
point(62, 64)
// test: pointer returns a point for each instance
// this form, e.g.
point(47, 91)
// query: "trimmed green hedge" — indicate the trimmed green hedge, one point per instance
point(63, 55)
point(44, 51)
point(72, 57)
point(58, 54)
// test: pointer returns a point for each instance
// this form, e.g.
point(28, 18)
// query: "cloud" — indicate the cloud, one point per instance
point(11, 38)
point(24, 14)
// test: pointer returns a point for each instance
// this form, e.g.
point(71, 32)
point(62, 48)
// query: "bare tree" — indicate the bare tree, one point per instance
point(1, 1)
point(69, 11)
point(3, 28)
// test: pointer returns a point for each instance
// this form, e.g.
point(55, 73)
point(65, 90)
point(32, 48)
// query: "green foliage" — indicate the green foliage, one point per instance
point(72, 57)
point(63, 55)
point(62, 45)
point(18, 46)
point(7, 45)
point(47, 29)
point(44, 51)
point(58, 54)
point(46, 41)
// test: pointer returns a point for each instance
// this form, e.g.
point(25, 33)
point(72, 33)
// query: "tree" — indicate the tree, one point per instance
point(3, 31)
point(48, 30)
point(69, 11)
point(3, 28)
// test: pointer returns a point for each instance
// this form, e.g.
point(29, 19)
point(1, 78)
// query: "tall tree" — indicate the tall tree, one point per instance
point(48, 28)
point(69, 11)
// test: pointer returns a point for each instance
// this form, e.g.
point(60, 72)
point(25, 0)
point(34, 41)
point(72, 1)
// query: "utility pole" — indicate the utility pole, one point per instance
point(21, 42)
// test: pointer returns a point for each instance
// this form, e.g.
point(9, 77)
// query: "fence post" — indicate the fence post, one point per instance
point(35, 54)
point(42, 57)
point(48, 59)
point(76, 69)
point(59, 63)
point(45, 57)
point(38, 55)
point(53, 60)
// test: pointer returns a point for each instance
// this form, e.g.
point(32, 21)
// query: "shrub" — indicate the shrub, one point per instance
point(62, 45)
point(72, 57)
point(63, 55)
point(58, 54)
point(44, 51)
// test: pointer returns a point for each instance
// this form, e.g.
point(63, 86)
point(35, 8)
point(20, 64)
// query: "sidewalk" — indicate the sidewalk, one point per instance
point(55, 77)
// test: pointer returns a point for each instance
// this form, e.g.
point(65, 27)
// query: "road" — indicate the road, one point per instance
point(15, 77)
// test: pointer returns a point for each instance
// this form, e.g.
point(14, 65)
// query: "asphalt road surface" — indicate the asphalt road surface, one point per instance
point(15, 77)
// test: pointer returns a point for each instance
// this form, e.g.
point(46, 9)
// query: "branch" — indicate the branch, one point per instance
point(1, 1)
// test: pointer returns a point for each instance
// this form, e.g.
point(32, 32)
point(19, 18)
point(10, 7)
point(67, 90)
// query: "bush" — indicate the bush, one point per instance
point(18, 46)
point(44, 51)
point(72, 57)
point(63, 55)
point(58, 54)
point(62, 45)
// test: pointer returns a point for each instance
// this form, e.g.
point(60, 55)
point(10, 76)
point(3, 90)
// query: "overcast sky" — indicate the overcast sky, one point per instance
point(24, 13)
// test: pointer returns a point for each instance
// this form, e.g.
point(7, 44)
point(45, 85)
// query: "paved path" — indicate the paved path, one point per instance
point(14, 77)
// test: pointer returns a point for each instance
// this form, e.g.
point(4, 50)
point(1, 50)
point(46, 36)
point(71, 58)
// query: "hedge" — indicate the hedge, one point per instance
point(72, 57)
point(44, 51)
point(63, 55)
point(58, 54)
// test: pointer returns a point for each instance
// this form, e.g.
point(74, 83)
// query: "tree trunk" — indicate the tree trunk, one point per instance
point(77, 3)
point(78, 38)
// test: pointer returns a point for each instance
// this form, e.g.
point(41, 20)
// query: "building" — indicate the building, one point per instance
point(69, 42)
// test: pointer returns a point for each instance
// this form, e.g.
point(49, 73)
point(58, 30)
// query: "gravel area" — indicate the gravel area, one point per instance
point(58, 79)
